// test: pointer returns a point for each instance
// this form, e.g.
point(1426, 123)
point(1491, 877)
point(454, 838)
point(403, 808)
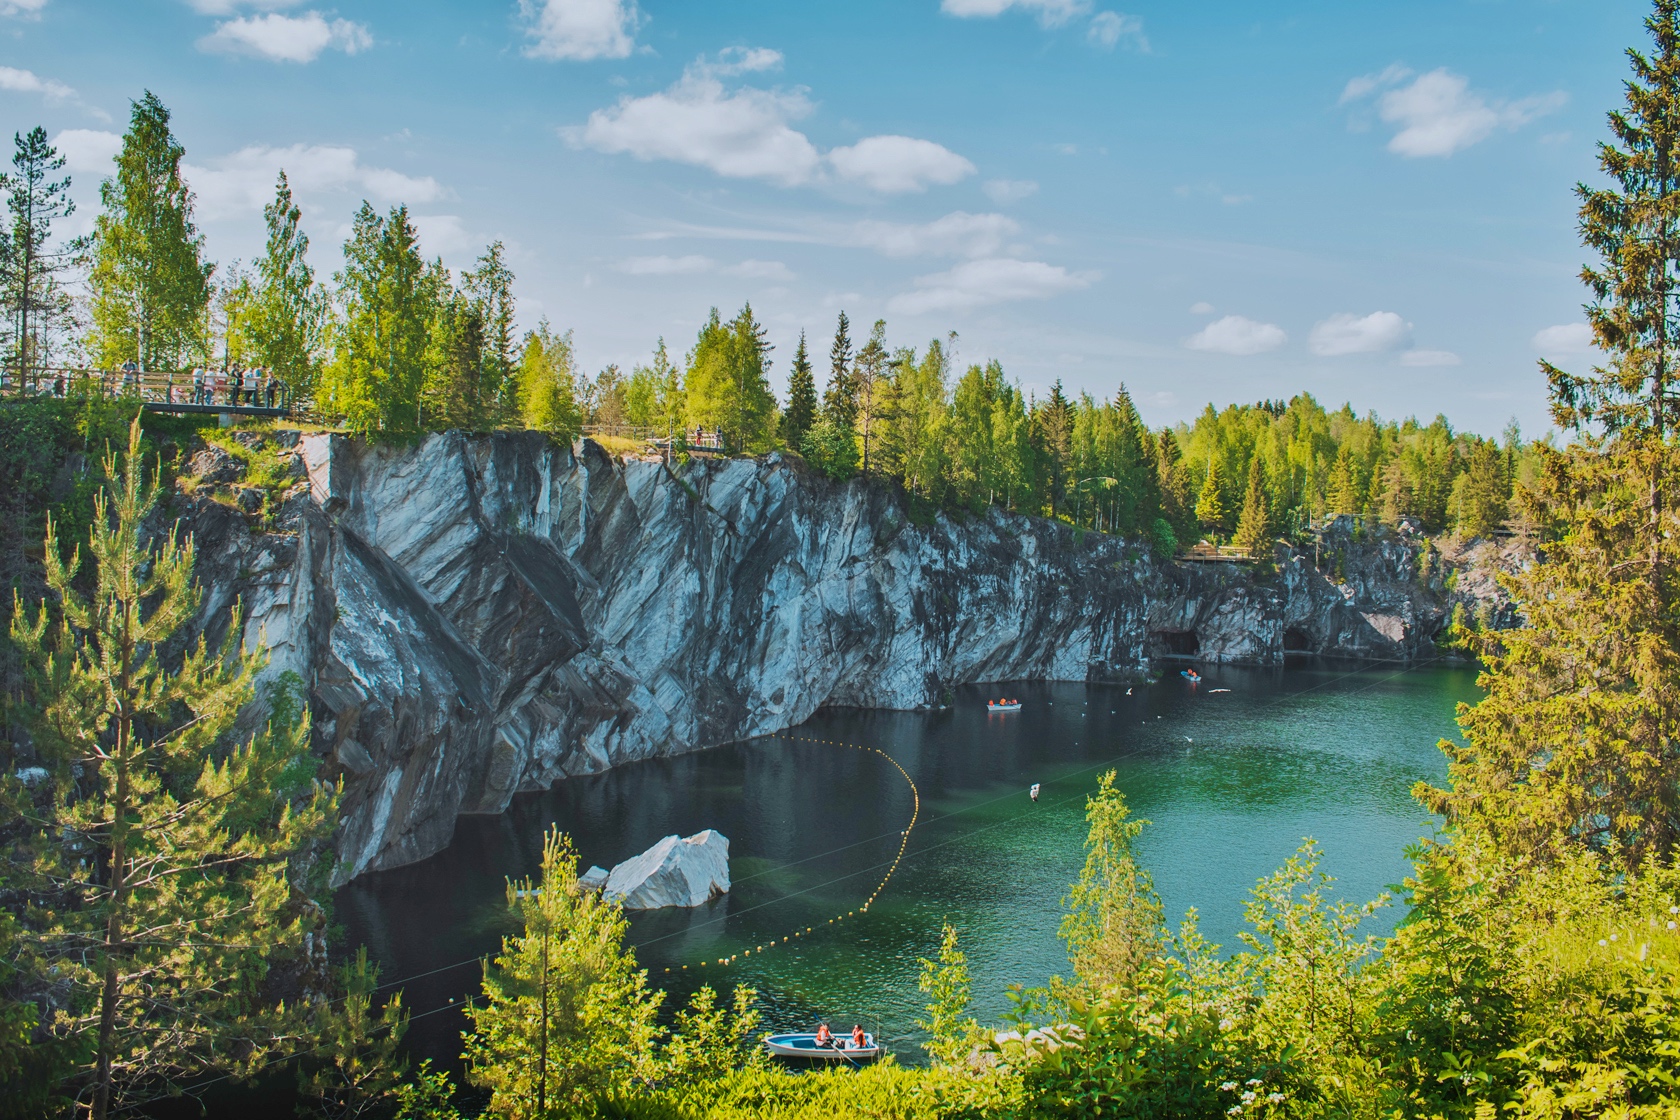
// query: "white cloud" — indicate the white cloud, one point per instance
point(741, 134)
point(1201, 308)
point(1426, 358)
point(443, 235)
point(88, 149)
point(1564, 340)
point(26, 81)
point(1358, 334)
point(229, 7)
point(896, 164)
point(1005, 191)
point(1109, 28)
point(25, 8)
point(957, 234)
point(579, 30)
point(281, 38)
point(1050, 13)
point(1438, 113)
point(666, 266)
point(747, 133)
point(1236, 334)
point(993, 280)
point(243, 182)
point(761, 270)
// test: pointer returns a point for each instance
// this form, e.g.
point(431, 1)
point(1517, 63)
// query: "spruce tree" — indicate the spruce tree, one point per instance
point(1254, 524)
point(37, 303)
point(388, 298)
point(1577, 743)
point(1210, 503)
point(868, 369)
point(167, 853)
point(840, 401)
point(1173, 482)
point(1054, 424)
point(288, 318)
point(801, 409)
point(150, 285)
point(1344, 485)
point(566, 1017)
point(490, 286)
point(547, 383)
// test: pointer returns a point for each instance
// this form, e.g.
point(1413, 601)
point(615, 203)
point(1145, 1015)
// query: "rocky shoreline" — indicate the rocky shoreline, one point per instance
point(473, 616)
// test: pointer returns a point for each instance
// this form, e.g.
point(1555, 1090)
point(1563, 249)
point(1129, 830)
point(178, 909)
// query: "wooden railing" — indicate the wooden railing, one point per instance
point(248, 392)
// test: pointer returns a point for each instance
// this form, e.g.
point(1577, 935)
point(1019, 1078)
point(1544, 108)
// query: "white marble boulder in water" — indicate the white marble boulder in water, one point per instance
point(677, 871)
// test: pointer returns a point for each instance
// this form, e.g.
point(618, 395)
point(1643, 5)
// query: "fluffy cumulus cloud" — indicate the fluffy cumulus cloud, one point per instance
point(994, 280)
point(1005, 191)
point(1429, 358)
point(579, 30)
point(24, 8)
point(897, 164)
point(231, 7)
point(1051, 13)
point(1201, 307)
point(1563, 341)
point(1437, 114)
point(88, 149)
point(957, 234)
point(27, 81)
point(744, 132)
point(1109, 29)
point(1238, 335)
point(1358, 334)
point(243, 182)
point(283, 38)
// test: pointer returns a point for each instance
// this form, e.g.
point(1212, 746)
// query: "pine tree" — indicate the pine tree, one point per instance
point(1054, 424)
point(567, 1017)
point(1577, 742)
point(1114, 927)
point(167, 853)
point(150, 284)
point(801, 409)
point(867, 371)
point(727, 387)
point(288, 318)
point(463, 392)
point(1210, 503)
point(37, 304)
point(1173, 482)
point(1344, 485)
point(1479, 495)
point(1254, 525)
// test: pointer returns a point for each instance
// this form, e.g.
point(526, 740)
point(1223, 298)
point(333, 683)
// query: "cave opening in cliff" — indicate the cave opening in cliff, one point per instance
point(1176, 643)
point(1296, 640)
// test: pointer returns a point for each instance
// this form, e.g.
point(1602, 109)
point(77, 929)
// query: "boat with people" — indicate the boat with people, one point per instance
point(832, 1048)
point(1003, 705)
point(1190, 675)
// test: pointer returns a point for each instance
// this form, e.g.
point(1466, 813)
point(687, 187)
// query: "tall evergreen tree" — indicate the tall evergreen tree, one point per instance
point(1173, 481)
point(547, 383)
point(840, 401)
point(1577, 742)
point(1254, 524)
point(36, 301)
point(1210, 503)
point(463, 391)
point(727, 387)
point(867, 370)
point(1344, 484)
point(150, 284)
point(387, 299)
point(166, 853)
point(288, 316)
point(1053, 421)
point(801, 410)
point(490, 286)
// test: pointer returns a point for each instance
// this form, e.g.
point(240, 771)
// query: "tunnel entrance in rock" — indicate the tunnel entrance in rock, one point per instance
point(1297, 640)
point(1175, 643)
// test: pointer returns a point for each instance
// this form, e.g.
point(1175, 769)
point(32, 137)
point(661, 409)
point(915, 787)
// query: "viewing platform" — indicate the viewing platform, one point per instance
point(251, 393)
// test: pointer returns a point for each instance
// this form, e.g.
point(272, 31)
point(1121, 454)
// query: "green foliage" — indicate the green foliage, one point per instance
point(36, 302)
point(709, 1040)
point(653, 394)
point(150, 286)
point(952, 1034)
point(801, 411)
point(167, 856)
point(1210, 504)
point(547, 384)
point(566, 1017)
point(831, 448)
point(1254, 526)
point(288, 314)
point(726, 389)
point(355, 1067)
point(1114, 927)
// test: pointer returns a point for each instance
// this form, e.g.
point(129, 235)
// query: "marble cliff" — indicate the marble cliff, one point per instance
point(475, 616)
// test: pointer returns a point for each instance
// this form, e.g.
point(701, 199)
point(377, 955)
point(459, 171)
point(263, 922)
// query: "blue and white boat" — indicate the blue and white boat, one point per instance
point(1003, 705)
point(837, 1049)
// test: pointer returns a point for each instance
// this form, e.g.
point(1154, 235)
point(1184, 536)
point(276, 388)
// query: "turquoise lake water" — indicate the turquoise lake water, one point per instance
point(1231, 783)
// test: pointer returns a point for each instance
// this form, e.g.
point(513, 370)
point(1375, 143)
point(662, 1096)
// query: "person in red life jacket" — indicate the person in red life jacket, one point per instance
point(857, 1037)
point(825, 1037)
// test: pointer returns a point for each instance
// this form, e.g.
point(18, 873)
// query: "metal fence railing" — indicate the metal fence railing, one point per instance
point(208, 390)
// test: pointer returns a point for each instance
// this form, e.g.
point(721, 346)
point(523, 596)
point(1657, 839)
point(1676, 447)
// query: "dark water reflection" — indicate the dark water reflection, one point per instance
point(1231, 782)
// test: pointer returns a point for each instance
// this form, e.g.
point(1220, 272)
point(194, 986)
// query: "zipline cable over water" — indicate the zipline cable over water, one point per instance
point(898, 857)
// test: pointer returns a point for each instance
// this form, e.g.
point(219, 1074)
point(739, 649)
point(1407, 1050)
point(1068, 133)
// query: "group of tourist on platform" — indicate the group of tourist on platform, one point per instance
point(233, 386)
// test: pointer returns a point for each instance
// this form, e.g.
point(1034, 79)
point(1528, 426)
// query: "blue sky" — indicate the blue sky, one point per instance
point(1216, 201)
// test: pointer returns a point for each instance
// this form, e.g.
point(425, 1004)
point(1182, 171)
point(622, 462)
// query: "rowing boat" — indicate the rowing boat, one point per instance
point(994, 706)
point(839, 1048)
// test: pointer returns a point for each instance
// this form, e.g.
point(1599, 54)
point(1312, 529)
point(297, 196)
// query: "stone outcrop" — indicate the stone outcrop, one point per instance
point(475, 616)
point(677, 871)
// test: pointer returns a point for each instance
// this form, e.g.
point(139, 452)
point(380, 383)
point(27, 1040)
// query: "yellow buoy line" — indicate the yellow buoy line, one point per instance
point(903, 843)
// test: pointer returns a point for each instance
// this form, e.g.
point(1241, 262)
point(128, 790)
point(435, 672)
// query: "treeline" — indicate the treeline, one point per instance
point(400, 344)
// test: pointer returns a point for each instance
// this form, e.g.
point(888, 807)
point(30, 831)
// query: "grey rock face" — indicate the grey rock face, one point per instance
point(474, 616)
point(677, 871)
